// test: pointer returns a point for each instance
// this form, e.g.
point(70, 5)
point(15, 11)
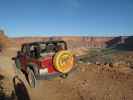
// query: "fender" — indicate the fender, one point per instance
point(34, 67)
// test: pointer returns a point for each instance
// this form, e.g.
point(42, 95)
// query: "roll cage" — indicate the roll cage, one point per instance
point(34, 49)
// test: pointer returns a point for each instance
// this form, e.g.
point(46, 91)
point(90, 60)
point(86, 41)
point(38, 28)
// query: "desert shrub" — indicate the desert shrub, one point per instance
point(98, 55)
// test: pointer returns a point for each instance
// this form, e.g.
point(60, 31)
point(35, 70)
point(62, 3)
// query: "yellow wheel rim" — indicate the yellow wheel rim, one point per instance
point(63, 61)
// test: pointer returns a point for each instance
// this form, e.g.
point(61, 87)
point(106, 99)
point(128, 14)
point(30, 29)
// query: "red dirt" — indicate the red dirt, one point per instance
point(87, 82)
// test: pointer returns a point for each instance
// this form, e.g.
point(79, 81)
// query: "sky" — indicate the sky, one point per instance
point(66, 17)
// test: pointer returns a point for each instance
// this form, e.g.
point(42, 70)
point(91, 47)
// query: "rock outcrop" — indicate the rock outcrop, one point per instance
point(4, 40)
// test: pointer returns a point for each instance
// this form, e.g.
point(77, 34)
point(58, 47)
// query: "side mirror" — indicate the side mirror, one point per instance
point(19, 53)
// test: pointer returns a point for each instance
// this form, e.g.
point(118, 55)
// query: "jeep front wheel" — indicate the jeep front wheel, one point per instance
point(31, 77)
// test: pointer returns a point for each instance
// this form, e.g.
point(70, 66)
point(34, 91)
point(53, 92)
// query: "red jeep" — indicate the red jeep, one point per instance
point(44, 60)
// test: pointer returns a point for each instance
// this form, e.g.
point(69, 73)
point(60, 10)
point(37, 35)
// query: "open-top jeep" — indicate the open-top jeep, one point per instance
point(41, 60)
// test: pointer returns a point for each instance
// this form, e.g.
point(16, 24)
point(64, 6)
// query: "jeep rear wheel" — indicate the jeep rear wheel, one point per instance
point(31, 78)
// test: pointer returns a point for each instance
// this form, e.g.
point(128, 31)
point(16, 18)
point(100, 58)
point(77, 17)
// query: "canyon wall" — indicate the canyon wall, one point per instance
point(73, 41)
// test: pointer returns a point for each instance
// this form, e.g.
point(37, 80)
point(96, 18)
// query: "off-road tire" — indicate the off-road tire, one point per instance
point(19, 73)
point(31, 77)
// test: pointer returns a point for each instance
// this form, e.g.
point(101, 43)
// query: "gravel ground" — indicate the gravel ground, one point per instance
point(86, 82)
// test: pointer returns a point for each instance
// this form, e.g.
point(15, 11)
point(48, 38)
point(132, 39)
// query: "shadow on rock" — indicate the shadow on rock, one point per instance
point(20, 89)
point(1, 77)
point(121, 43)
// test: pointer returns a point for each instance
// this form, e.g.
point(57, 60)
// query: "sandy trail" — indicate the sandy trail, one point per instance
point(87, 82)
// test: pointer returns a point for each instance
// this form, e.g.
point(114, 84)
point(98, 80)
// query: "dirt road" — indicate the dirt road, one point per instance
point(87, 82)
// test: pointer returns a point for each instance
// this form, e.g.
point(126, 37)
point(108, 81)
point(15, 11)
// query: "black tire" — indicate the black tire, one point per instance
point(31, 77)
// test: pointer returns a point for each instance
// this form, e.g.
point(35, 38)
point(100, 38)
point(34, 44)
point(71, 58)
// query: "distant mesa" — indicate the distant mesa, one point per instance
point(121, 42)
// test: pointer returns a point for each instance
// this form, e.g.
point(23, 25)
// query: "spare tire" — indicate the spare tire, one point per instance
point(63, 61)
